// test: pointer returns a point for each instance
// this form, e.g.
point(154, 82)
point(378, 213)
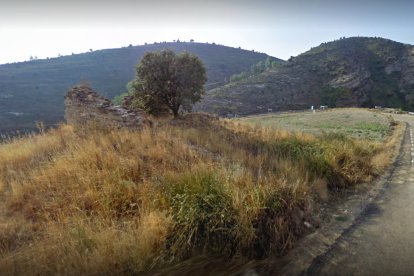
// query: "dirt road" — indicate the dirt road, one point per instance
point(381, 242)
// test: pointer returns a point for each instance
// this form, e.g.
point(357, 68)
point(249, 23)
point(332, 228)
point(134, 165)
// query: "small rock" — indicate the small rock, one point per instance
point(307, 224)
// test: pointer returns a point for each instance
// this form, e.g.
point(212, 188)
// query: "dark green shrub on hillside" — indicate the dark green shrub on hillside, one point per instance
point(167, 80)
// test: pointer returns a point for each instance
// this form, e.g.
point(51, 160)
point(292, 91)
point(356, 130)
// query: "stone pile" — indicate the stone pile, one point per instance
point(85, 106)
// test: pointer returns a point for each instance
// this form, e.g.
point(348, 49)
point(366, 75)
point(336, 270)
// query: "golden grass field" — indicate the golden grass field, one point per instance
point(94, 201)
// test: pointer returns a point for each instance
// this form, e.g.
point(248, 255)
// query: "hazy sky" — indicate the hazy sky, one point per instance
point(45, 28)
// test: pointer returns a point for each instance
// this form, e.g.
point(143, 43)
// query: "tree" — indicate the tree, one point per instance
point(268, 63)
point(257, 68)
point(168, 80)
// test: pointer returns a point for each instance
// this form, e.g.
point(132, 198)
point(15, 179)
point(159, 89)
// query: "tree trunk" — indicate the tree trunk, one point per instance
point(175, 111)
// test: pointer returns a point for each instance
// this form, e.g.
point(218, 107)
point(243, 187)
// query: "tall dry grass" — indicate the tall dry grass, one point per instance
point(124, 202)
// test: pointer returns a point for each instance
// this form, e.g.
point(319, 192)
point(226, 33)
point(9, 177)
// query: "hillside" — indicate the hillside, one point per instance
point(33, 91)
point(355, 71)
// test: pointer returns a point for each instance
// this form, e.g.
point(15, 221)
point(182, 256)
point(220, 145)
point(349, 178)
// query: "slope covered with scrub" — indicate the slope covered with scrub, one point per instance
point(33, 91)
point(356, 72)
point(123, 202)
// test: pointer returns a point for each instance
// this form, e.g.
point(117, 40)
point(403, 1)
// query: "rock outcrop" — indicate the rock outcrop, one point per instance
point(84, 106)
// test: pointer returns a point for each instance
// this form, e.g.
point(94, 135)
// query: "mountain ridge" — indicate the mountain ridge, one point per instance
point(357, 71)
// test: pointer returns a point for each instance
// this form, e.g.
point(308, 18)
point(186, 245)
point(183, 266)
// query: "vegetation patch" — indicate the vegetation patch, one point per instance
point(126, 202)
point(330, 95)
point(355, 123)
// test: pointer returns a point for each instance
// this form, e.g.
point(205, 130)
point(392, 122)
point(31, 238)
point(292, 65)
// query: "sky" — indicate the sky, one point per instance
point(47, 28)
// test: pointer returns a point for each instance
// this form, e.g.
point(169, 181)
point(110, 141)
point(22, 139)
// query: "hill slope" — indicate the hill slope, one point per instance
point(33, 91)
point(348, 72)
point(121, 202)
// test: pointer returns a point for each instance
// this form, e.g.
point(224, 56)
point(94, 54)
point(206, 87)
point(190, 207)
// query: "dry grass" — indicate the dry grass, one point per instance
point(21, 155)
point(390, 146)
point(123, 202)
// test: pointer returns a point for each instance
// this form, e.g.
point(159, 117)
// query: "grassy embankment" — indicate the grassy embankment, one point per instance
point(122, 202)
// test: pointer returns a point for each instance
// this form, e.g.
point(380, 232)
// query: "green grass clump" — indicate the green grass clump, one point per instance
point(375, 127)
point(203, 214)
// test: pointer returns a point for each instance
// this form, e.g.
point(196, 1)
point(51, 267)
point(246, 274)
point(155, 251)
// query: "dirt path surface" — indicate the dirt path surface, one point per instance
point(380, 242)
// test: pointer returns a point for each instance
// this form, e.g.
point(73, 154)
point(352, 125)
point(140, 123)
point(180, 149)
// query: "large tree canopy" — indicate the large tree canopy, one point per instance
point(166, 80)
